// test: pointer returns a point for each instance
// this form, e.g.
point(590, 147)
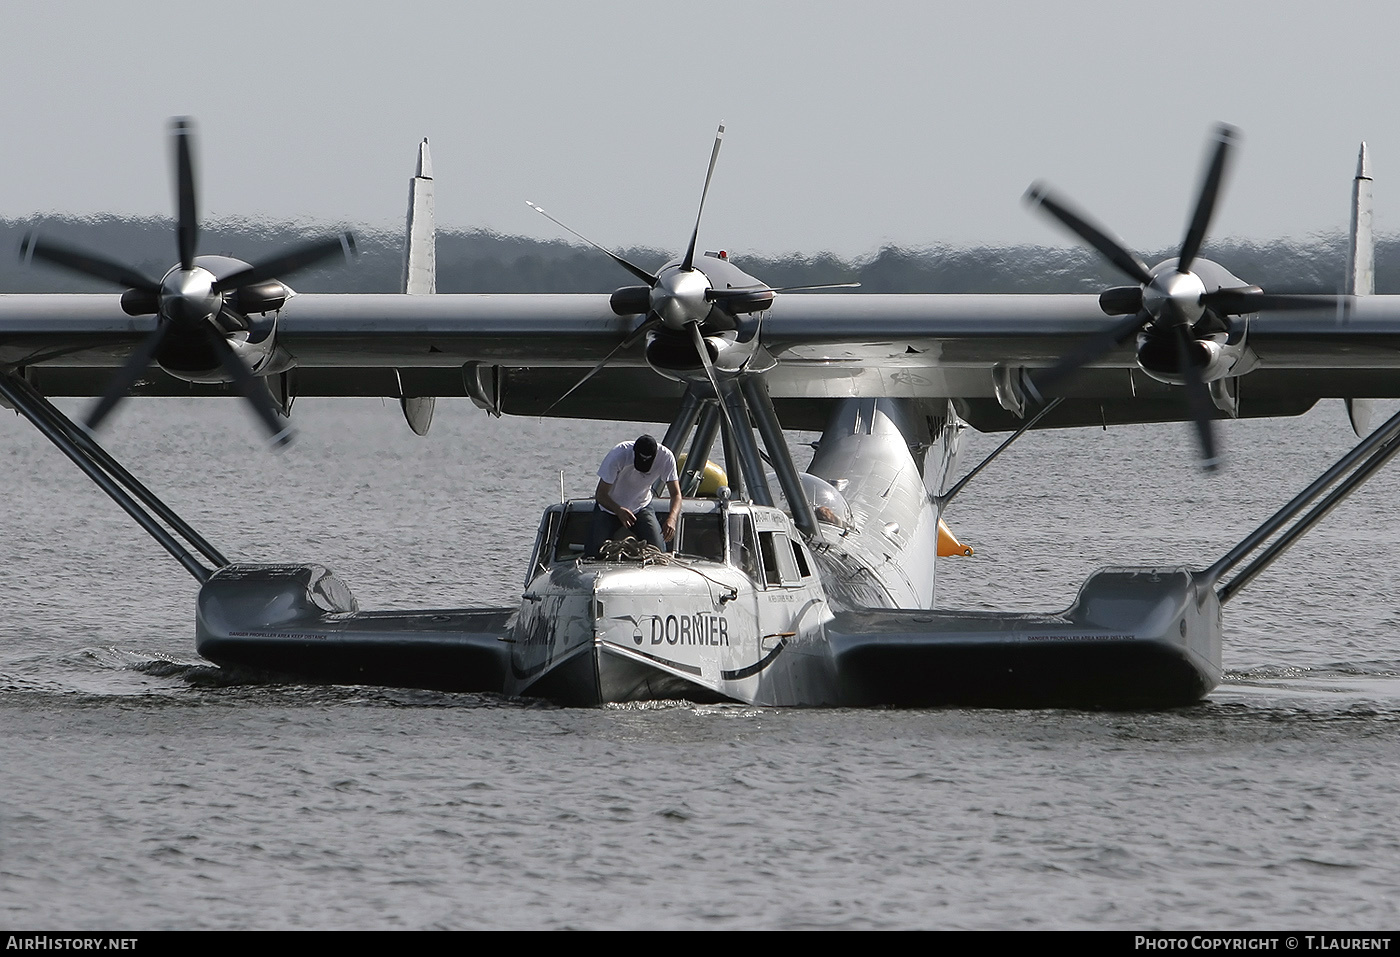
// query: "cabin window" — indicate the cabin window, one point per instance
point(779, 566)
point(701, 536)
point(799, 552)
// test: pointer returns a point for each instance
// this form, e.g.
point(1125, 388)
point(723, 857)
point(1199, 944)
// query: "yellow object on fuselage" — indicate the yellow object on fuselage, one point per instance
point(948, 543)
point(710, 480)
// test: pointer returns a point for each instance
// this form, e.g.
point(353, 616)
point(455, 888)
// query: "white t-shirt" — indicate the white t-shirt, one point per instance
point(632, 489)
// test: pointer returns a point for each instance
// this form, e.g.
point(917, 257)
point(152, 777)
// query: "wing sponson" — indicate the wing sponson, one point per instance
point(1134, 638)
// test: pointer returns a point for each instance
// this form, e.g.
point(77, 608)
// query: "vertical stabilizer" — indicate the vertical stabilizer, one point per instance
point(419, 271)
point(420, 243)
point(1361, 271)
point(1361, 248)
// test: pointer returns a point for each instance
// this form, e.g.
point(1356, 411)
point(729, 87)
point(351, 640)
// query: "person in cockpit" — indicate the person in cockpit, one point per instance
point(623, 496)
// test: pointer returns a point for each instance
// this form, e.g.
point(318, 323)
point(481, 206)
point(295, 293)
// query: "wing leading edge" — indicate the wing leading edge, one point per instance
point(826, 346)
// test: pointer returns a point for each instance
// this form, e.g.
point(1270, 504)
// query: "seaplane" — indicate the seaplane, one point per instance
point(782, 585)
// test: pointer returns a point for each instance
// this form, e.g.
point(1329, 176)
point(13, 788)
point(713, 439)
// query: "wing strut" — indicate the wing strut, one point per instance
point(108, 475)
point(748, 459)
point(942, 500)
point(1348, 474)
point(766, 418)
point(699, 452)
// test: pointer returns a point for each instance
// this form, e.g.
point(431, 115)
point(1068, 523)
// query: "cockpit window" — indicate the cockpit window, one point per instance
point(770, 557)
point(743, 552)
point(573, 537)
point(701, 536)
point(540, 561)
point(828, 504)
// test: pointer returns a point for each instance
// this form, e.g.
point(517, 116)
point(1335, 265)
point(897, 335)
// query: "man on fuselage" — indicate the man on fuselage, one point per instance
point(623, 495)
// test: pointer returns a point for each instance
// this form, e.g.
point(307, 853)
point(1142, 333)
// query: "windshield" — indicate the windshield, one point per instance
point(701, 536)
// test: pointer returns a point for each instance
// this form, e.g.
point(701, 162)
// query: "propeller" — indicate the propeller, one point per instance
point(688, 263)
point(676, 296)
point(635, 270)
point(647, 325)
point(1167, 301)
point(679, 301)
point(698, 338)
point(195, 309)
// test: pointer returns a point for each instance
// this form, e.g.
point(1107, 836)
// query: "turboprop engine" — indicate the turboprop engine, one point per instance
point(719, 299)
point(1178, 309)
point(700, 314)
point(246, 317)
point(212, 312)
point(1217, 346)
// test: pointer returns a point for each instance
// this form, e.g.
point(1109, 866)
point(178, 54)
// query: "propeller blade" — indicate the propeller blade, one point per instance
point(1264, 302)
point(1093, 348)
point(1209, 193)
point(293, 260)
point(1246, 299)
point(251, 388)
point(127, 376)
point(89, 264)
point(689, 262)
point(651, 323)
point(637, 271)
point(704, 353)
point(1198, 398)
point(1110, 246)
point(719, 295)
point(187, 213)
point(821, 285)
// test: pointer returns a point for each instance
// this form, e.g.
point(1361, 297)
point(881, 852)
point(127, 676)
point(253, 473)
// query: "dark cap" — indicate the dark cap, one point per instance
point(644, 452)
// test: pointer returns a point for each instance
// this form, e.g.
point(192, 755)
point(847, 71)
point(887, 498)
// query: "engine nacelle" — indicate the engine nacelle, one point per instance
point(631, 300)
point(191, 357)
point(1215, 356)
point(731, 352)
point(259, 297)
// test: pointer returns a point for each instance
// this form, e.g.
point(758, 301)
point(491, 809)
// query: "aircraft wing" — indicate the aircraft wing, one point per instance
point(521, 352)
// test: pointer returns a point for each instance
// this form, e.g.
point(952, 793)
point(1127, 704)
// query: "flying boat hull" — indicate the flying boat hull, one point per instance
point(600, 633)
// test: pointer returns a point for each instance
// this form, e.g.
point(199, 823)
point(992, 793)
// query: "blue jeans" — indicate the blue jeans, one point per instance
point(606, 525)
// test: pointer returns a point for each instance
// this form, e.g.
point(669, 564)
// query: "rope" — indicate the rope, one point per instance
point(632, 549)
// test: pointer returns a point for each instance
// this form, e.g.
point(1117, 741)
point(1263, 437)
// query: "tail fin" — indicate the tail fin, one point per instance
point(419, 272)
point(1361, 272)
point(420, 241)
point(1361, 250)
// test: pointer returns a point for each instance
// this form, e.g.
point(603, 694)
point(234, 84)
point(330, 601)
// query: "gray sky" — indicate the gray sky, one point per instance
point(850, 124)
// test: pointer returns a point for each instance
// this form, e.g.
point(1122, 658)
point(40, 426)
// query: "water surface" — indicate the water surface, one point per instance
point(144, 790)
